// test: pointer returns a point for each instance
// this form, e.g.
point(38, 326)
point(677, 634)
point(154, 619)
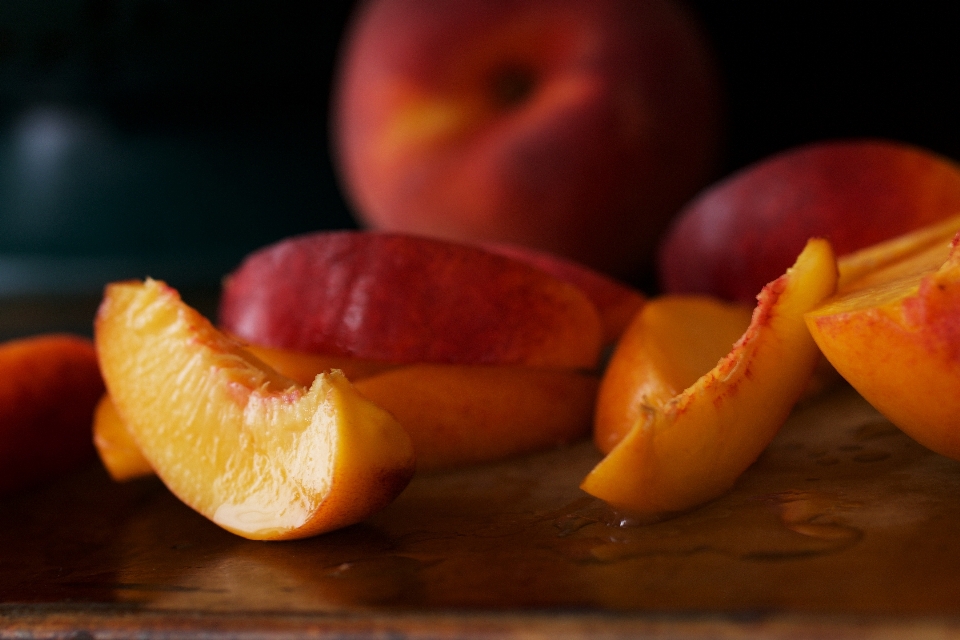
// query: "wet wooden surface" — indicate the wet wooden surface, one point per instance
point(844, 528)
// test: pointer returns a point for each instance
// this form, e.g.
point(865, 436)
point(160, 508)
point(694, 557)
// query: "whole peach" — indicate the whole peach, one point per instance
point(572, 126)
point(746, 229)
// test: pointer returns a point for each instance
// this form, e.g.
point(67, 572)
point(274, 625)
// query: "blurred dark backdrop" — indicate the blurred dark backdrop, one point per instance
point(170, 137)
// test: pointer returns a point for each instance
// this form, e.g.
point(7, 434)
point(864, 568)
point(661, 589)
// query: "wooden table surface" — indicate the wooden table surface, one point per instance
point(845, 528)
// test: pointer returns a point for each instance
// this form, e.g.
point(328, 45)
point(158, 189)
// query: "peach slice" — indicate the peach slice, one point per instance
point(895, 337)
point(466, 414)
point(671, 343)
point(49, 385)
point(248, 448)
point(118, 451)
point(693, 447)
point(407, 299)
point(455, 414)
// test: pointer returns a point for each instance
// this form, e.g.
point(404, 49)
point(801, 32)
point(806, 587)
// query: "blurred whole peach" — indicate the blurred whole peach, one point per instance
point(577, 127)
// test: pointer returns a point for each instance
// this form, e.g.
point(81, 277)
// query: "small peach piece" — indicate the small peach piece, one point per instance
point(466, 414)
point(50, 385)
point(258, 454)
point(118, 451)
point(671, 343)
point(895, 336)
point(693, 447)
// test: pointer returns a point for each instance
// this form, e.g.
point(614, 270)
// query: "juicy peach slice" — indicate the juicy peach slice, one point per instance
point(466, 414)
point(693, 447)
point(455, 414)
point(671, 343)
point(118, 451)
point(250, 449)
point(895, 337)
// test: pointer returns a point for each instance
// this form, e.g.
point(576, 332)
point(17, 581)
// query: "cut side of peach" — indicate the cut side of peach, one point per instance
point(118, 451)
point(462, 414)
point(920, 251)
point(895, 337)
point(673, 341)
point(248, 448)
point(693, 447)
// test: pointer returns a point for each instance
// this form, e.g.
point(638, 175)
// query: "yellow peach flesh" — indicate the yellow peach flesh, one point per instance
point(693, 448)
point(118, 451)
point(671, 343)
point(251, 450)
point(895, 341)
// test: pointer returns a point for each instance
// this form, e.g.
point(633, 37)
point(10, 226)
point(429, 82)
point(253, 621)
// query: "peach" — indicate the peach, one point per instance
point(466, 414)
point(691, 448)
point(50, 385)
point(248, 448)
point(894, 335)
point(577, 127)
point(616, 301)
point(746, 229)
point(406, 299)
point(118, 451)
point(455, 414)
point(671, 343)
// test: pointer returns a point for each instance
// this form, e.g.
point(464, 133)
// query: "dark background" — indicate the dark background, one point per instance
point(170, 137)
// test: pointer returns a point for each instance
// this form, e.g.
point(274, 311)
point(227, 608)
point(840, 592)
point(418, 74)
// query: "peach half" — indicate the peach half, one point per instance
point(252, 450)
point(894, 335)
point(691, 448)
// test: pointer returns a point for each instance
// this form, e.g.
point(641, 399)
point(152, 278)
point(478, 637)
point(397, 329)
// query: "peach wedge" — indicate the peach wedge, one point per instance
point(895, 336)
point(455, 414)
point(692, 447)
point(250, 449)
point(673, 341)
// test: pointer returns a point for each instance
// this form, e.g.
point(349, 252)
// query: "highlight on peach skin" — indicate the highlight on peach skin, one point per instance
point(248, 448)
point(692, 447)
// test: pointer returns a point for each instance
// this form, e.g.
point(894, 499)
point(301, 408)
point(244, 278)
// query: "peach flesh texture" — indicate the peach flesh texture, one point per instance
point(573, 127)
point(671, 343)
point(894, 336)
point(406, 299)
point(746, 229)
point(49, 385)
point(693, 447)
point(246, 447)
